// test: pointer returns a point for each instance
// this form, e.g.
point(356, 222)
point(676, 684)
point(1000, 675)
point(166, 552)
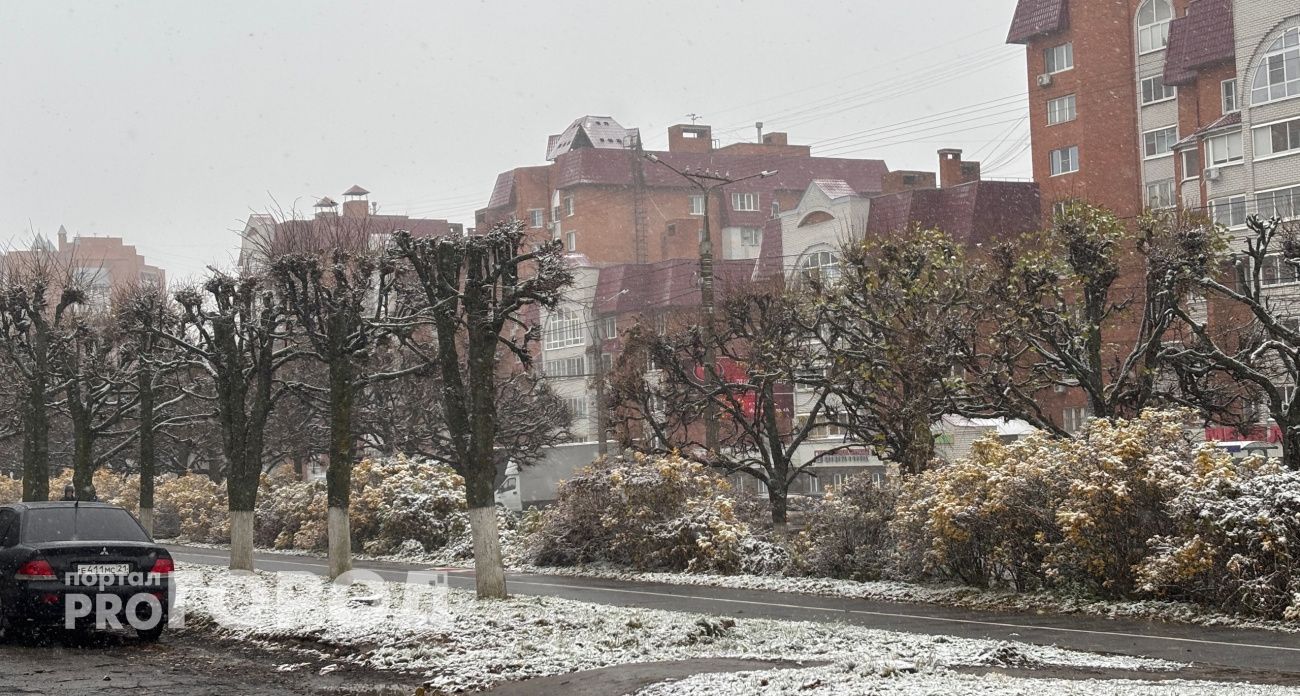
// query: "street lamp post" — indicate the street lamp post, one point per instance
point(706, 182)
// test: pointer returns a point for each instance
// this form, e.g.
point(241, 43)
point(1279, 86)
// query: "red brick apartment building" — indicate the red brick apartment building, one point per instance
point(1139, 104)
point(105, 265)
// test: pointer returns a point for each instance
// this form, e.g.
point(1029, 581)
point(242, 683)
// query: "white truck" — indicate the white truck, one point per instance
point(536, 485)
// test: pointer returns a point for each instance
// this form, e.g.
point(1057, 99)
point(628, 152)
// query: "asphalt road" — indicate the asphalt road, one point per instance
point(1257, 654)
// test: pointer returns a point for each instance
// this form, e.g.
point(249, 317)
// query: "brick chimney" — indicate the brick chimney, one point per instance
point(690, 138)
point(953, 171)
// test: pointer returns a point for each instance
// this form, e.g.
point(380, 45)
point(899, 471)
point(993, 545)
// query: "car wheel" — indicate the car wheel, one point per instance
point(151, 635)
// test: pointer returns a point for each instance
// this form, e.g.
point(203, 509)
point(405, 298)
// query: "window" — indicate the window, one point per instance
point(1278, 74)
point(535, 218)
point(1158, 143)
point(1230, 211)
point(744, 201)
point(1277, 138)
point(1065, 160)
point(565, 367)
point(819, 266)
point(697, 205)
point(1059, 58)
point(776, 208)
point(751, 236)
point(1228, 94)
point(1276, 271)
point(563, 329)
point(1191, 164)
point(572, 244)
point(1060, 110)
point(1160, 194)
point(84, 524)
point(577, 407)
point(1224, 149)
point(1283, 203)
point(1154, 90)
point(608, 327)
point(1153, 25)
point(568, 206)
point(1074, 419)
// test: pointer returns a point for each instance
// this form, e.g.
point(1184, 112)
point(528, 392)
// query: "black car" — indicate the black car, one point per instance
point(78, 565)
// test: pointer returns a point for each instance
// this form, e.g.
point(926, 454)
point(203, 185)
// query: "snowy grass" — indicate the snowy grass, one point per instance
point(882, 678)
point(947, 595)
point(458, 643)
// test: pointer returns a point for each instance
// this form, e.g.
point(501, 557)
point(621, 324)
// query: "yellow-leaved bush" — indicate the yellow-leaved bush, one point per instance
point(650, 513)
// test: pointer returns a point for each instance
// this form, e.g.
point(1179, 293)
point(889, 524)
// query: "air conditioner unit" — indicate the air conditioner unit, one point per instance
point(1045, 80)
point(1212, 174)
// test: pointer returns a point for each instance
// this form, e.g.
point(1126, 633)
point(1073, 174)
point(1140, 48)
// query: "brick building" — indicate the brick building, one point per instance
point(105, 265)
point(358, 224)
point(1139, 104)
point(606, 201)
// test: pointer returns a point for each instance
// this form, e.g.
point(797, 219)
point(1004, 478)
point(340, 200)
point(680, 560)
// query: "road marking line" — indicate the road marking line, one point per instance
point(913, 616)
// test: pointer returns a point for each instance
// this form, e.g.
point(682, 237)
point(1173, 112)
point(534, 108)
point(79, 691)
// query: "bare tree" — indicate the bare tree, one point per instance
point(473, 290)
point(98, 394)
point(235, 329)
point(37, 295)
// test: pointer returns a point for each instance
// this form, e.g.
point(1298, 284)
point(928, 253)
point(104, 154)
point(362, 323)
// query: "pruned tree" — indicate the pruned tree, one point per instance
point(1085, 304)
point(771, 384)
point(37, 296)
point(1244, 339)
point(339, 296)
point(236, 330)
point(99, 392)
point(894, 326)
point(472, 290)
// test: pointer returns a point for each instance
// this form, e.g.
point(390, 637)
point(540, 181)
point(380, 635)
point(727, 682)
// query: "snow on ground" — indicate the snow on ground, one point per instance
point(458, 642)
point(876, 679)
point(947, 595)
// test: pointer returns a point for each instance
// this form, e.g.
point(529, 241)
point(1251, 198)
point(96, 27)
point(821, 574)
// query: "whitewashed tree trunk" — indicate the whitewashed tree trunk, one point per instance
point(340, 541)
point(241, 539)
point(489, 574)
point(146, 520)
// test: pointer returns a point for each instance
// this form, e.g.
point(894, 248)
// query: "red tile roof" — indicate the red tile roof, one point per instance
point(971, 213)
point(671, 284)
point(1224, 121)
point(1201, 38)
point(1037, 17)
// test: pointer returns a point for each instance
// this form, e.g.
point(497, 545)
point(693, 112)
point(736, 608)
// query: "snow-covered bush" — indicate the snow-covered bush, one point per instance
point(399, 500)
point(649, 513)
point(985, 520)
point(847, 532)
point(1238, 541)
point(11, 490)
point(290, 514)
point(192, 507)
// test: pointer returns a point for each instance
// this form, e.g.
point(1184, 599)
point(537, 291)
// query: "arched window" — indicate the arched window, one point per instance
point(1278, 74)
point(815, 217)
point(1153, 25)
point(563, 329)
point(820, 266)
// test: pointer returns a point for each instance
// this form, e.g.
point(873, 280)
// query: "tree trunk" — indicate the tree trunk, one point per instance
point(779, 498)
point(338, 477)
point(1290, 444)
point(489, 570)
point(148, 456)
point(920, 448)
point(83, 455)
point(241, 539)
point(36, 444)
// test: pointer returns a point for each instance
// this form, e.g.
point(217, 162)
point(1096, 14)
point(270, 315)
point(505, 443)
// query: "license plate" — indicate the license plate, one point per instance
point(104, 569)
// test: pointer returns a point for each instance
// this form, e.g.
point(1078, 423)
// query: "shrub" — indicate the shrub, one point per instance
point(193, 507)
point(650, 513)
point(847, 532)
point(1238, 540)
point(398, 500)
point(11, 490)
point(290, 514)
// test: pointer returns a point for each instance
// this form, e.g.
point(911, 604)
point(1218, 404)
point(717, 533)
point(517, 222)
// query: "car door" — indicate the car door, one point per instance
point(8, 546)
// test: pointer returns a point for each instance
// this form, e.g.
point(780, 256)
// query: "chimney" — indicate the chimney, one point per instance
point(690, 138)
point(63, 237)
point(953, 171)
point(759, 126)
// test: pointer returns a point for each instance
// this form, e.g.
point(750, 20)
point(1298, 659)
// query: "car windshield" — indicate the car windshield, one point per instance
point(80, 524)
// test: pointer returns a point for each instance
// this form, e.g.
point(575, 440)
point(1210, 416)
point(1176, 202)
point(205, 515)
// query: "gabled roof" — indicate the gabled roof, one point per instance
point(834, 188)
point(590, 132)
point(1035, 18)
point(1201, 38)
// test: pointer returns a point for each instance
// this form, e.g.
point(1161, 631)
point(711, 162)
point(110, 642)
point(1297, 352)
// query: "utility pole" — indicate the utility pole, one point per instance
point(706, 181)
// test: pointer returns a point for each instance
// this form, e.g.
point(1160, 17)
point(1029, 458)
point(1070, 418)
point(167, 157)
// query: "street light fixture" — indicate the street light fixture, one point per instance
point(706, 181)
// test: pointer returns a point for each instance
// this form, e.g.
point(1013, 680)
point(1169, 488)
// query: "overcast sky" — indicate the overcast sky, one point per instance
point(167, 123)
